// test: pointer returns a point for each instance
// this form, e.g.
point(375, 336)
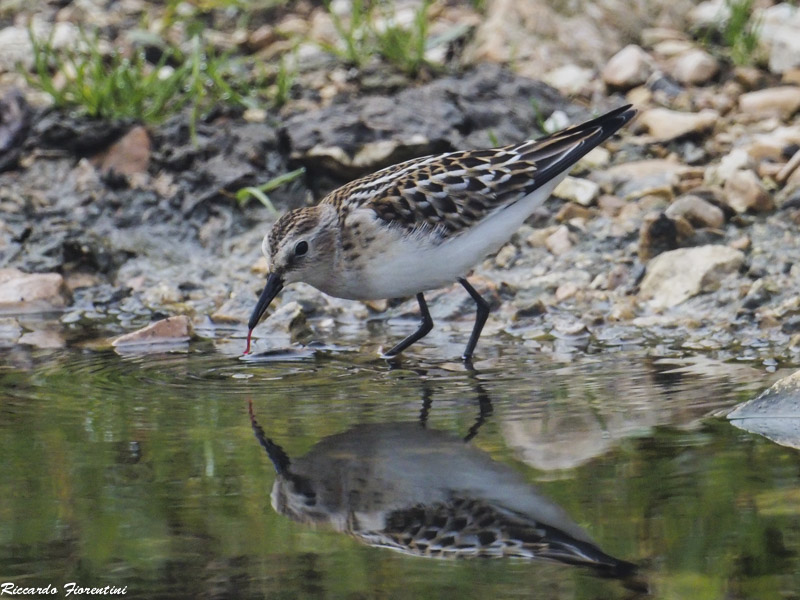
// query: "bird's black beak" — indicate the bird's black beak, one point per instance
point(273, 287)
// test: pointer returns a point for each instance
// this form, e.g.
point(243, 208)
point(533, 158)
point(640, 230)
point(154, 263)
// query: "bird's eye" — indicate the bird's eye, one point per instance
point(301, 248)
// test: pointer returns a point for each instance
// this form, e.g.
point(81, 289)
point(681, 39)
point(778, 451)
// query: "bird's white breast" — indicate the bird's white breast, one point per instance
point(396, 265)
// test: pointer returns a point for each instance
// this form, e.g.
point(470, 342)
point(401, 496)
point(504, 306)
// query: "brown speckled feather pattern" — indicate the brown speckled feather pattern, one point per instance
point(298, 221)
point(468, 527)
point(451, 192)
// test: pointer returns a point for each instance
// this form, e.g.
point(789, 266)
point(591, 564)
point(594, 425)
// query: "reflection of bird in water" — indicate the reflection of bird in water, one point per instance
point(427, 493)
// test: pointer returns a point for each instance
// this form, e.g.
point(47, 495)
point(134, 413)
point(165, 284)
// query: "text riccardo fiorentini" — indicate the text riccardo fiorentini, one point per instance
point(9, 588)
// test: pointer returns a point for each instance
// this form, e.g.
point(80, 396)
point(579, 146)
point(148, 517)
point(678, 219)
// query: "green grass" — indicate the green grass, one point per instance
point(736, 33)
point(361, 37)
point(741, 32)
point(260, 192)
point(120, 86)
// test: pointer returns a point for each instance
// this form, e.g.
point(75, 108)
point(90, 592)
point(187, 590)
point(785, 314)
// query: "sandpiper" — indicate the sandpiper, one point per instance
point(424, 223)
point(427, 493)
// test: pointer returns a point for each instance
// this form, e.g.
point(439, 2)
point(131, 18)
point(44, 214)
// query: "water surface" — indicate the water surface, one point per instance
point(148, 472)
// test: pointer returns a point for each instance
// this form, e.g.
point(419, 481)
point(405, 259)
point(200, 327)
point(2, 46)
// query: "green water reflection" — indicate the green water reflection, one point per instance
point(145, 473)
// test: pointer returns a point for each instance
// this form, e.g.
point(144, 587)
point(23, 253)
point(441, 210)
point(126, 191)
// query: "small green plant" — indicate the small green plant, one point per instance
point(405, 48)
point(361, 37)
point(354, 34)
point(260, 192)
point(119, 86)
point(741, 31)
point(284, 79)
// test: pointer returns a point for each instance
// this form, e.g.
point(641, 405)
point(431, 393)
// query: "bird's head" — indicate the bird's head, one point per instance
point(299, 247)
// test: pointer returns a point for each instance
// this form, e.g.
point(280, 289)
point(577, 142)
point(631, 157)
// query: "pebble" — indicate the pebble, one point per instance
point(664, 124)
point(558, 242)
point(31, 291)
point(774, 414)
point(506, 256)
point(778, 27)
point(677, 275)
point(628, 68)
point(15, 42)
point(171, 330)
point(610, 205)
point(661, 233)
point(128, 156)
point(735, 160)
point(573, 211)
point(569, 79)
point(580, 191)
point(696, 210)
point(43, 339)
point(781, 101)
point(744, 192)
point(695, 67)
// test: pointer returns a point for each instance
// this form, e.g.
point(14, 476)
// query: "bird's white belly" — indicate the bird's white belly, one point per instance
point(406, 265)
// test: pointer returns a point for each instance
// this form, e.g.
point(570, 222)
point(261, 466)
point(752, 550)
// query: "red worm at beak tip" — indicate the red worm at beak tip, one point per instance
point(249, 334)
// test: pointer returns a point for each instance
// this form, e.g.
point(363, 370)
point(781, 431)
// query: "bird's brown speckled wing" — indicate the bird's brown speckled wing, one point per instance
point(453, 191)
point(465, 527)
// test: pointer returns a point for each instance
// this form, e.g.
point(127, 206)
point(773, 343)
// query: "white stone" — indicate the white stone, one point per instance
point(783, 101)
point(628, 68)
point(710, 13)
point(31, 291)
point(744, 191)
point(580, 191)
point(665, 125)
point(696, 210)
point(735, 160)
point(778, 31)
point(170, 330)
point(569, 79)
point(675, 276)
point(558, 242)
point(695, 67)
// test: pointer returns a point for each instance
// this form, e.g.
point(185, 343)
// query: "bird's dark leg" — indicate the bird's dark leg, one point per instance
point(424, 328)
point(480, 319)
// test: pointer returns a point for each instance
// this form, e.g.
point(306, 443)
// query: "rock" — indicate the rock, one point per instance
point(695, 67)
point(289, 319)
point(129, 155)
point(597, 158)
point(677, 275)
point(580, 191)
point(699, 212)
point(782, 101)
point(665, 125)
point(750, 78)
point(354, 138)
point(573, 211)
point(566, 291)
point(15, 42)
point(672, 48)
point(558, 242)
point(43, 339)
point(735, 160)
point(15, 118)
point(628, 68)
point(261, 38)
point(775, 413)
point(33, 292)
point(777, 30)
point(506, 256)
point(743, 191)
point(661, 233)
point(569, 79)
point(610, 205)
point(172, 330)
point(710, 13)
